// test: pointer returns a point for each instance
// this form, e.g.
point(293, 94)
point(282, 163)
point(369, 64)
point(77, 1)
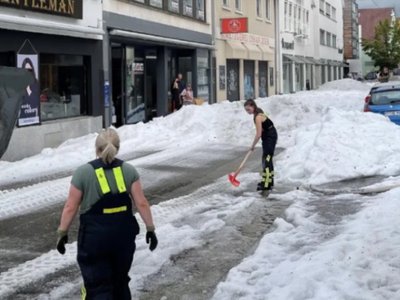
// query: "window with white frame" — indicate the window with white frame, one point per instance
point(238, 5)
point(299, 25)
point(225, 3)
point(322, 37)
point(334, 40)
point(268, 9)
point(286, 15)
point(258, 8)
point(322, 6)
point(290, 16)
point(328, 10)
point(333, 13)
point(295, 18)
point(328, 39)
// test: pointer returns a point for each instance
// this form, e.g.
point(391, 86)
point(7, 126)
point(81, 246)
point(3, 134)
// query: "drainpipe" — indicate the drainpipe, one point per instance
point(278, 56)
point(213, 69)
point(107, 89)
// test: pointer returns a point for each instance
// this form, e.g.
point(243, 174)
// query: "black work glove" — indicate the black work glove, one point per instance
point(62, 240)
point(152, 239)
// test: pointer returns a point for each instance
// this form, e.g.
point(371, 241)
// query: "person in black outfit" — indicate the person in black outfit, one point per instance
point(176, 89)
point(265, 130)
point(104, 191)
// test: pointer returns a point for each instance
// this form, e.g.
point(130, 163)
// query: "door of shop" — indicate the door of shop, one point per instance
point(134, 84)
point(249, 79)
point(232, 73)
point(263, 79)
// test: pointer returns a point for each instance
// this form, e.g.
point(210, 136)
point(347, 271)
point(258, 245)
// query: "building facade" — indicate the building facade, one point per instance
point(60, 42)
point(146, 44)
point(369, 19)
point(244, 55)
point(351, 46)
point(311, 43)
point(351, 36)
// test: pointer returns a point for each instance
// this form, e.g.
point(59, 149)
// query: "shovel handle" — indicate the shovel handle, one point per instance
point(243, 162)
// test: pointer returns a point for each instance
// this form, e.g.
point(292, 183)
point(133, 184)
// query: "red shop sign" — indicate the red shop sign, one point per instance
point(234, 25)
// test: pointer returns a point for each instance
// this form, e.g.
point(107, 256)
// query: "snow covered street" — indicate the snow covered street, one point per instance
point(329, 230)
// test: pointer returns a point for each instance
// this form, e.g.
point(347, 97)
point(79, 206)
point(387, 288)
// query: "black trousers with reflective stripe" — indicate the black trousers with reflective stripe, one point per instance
point(106, 245)
point(268, 144)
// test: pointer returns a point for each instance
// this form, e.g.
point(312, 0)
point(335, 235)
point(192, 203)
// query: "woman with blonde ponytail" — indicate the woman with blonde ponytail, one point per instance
point(104, 191)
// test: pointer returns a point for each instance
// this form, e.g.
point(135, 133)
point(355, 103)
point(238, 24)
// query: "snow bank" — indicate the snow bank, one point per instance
point(223, 123)
point(342, 145)
point(345, 85)
point(305, 258)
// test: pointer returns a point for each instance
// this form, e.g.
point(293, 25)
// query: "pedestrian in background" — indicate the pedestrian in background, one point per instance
point(187, 95)
point(176, 89)
point(104, 190)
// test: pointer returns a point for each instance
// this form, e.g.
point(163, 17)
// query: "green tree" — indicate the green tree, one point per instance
point(384, 49)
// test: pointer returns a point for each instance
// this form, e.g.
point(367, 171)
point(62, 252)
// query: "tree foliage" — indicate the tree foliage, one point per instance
point(384, 49)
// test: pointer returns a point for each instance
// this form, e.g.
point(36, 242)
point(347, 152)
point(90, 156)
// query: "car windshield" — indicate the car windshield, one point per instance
point(385, 97)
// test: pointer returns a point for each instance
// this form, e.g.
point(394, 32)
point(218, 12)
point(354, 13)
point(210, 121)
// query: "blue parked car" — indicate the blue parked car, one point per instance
point(384, 98)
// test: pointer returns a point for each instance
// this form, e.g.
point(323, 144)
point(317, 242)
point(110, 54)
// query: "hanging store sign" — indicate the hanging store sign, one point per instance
point(66, 8)
point(249, 38)
point(234, 25)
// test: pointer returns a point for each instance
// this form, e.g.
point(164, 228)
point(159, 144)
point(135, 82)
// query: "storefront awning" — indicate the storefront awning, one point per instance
point(253, 52)
point(49, 27)
point(313, 61)
point(159, 39)
point(235, 49)
point(267, 52)
point(303, 59)
point(293, 59)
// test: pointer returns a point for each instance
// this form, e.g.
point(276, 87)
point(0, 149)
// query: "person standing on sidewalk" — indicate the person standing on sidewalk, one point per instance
point(176, 89)
point(265, 130)
point(104, 190)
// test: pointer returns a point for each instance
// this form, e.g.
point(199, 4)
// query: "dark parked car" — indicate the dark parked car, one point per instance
point(371, 76)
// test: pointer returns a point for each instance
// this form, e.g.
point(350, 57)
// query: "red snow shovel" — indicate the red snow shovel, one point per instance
point(232, 176)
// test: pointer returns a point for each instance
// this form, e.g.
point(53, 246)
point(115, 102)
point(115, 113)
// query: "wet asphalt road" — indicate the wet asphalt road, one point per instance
point(25, 237)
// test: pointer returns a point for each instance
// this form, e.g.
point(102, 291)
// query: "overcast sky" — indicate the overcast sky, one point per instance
point(380, 3)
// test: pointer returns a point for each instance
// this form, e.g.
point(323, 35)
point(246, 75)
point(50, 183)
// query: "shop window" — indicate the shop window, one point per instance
point(232, 79)
point(203, 89)
point(63, 86)
point(200, 10)
point(173, 5)
point(135, 110)
point(188, 8)
point(271, 76)
point(7, 59)
point(156, 3)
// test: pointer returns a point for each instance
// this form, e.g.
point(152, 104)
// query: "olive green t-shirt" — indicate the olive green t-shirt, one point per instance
point(85, 180)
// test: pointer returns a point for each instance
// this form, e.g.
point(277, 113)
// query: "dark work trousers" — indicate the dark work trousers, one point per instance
point(269, 139)
point(106, 245)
